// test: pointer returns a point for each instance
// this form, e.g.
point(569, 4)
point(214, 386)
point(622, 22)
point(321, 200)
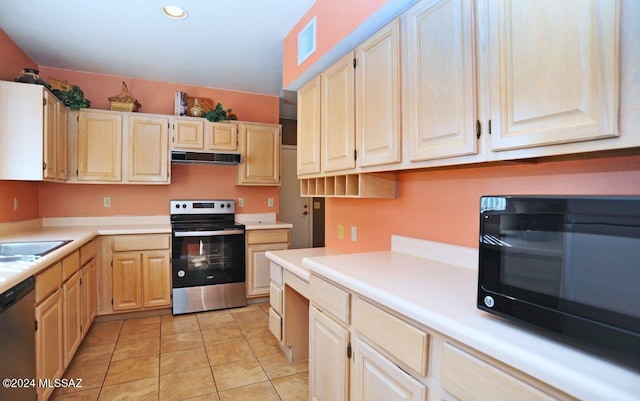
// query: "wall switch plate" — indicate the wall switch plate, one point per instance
point(240, 202)
point(340, 231)
point(270, 202)
point(107, 201)
point(16, 204)
point(354, 233)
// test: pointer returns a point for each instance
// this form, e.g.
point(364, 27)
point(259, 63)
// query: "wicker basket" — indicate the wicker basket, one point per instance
point(57, 84)
point(123, 101)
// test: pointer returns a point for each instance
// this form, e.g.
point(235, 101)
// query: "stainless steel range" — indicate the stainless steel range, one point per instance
point(208, 262)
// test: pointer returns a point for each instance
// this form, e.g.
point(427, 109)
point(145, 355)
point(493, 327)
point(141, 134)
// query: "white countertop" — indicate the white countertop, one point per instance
point(291, 259)
point(78, 230)
point(261, 221)
point(442, 296)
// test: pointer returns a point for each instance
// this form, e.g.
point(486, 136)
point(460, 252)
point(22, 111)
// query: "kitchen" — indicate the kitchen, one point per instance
point(449, 217)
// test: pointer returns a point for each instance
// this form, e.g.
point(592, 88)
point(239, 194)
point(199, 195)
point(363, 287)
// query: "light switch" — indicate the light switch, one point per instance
point(354, 233)
point(107, 201)
point(340, 231)
point(270, 202)
point(240, 202)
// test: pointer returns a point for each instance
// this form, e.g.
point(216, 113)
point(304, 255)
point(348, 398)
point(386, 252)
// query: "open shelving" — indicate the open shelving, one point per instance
point(370, 185)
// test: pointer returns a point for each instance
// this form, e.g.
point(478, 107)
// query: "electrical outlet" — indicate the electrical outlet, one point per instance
point(240, 202)
point(270, 202)
point(340, 231)
point(16, 204)
point(354, 233)
point(107, 201)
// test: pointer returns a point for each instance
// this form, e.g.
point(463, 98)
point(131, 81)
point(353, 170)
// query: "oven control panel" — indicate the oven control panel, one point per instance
point(224, 206)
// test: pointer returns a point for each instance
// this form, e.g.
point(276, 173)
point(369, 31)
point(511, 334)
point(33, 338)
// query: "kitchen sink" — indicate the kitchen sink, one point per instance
point(15, 251)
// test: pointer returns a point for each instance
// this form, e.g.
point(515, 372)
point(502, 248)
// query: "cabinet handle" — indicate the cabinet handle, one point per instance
point(349, 351)
point(44, 165)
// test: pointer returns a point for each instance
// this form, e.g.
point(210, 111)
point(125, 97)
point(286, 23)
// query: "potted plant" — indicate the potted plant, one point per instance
point(217, 114)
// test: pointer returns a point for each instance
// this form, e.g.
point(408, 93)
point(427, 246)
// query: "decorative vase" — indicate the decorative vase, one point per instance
point(196, 110)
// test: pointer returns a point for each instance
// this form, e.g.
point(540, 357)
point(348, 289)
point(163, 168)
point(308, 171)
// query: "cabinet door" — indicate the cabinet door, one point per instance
point(328, 361)
point(378, 97)
point(71, 301)
point(375, 378)
point(308, 131)
point(148, 149)
point(258, 270)
point(337, 116)
point(89, 295)
point(50, 138)
point(100, 147)
point(260, 148)
point(127, 281)
point(156, 279)
point(188, 133)
point(554, 75)
point(49, 341)
point(221, 136)
point(62, 115)
point(440, 90)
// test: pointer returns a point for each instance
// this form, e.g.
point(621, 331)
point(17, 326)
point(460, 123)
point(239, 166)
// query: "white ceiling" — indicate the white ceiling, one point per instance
point(235, 44)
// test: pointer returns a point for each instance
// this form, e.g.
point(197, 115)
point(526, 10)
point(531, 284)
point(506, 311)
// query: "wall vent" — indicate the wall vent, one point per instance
point(307, 41)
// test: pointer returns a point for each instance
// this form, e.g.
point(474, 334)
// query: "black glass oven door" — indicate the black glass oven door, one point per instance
point(204, 258)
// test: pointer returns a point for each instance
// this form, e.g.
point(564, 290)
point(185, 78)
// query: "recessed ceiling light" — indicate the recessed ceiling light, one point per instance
point(174, 12)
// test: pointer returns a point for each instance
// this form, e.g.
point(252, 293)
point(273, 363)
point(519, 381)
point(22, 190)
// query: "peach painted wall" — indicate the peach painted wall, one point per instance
point(335, 19)
point(13, 61)
point(157, 97)
point(187, 181)
point(443, 204)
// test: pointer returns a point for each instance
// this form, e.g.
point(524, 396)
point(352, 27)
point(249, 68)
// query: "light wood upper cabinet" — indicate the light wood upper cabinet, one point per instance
point(260, 148)
point(308, 132)
point(191, 133)
point(378, 97)
point(33, 133)
point(554, 75)
point(337, 116)
point(55, 138)
point(119, 148)
point(100, 146)
point(440, 83)
point(221, 136)
point(188, 133)
point(148, 149)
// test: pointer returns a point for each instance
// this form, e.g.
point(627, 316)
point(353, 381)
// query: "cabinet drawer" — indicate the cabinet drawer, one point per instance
point(87, 252)
point(275, 273)
point(275, 298)
point(48, 282)
point(275, 324)
point(140, 242)
point(267, 236)
point(70, 265)
point(466, 377)
point(400, 339)
point(330, 298)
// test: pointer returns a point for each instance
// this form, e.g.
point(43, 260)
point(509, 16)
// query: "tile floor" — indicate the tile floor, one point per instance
point(227, 355)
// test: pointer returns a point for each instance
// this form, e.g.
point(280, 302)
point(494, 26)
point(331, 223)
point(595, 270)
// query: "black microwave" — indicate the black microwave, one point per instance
point(567, 264)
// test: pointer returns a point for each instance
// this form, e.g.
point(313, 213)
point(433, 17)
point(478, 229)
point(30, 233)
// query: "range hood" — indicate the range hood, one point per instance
point(205, 158)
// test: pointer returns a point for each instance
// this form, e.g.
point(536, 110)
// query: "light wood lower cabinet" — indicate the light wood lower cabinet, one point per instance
point(49, 342)
point(395, 358)
point(328, 358)
point(65, 309)
point(141, 280)
point(72, 300)
point(141, 276)
point(378, 379)
point(257, 265)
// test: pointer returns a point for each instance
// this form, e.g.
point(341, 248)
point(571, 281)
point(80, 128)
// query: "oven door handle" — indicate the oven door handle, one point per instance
point(206, 233)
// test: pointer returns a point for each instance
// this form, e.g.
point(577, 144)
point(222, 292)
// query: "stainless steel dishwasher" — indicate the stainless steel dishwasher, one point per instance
point(17, 342)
